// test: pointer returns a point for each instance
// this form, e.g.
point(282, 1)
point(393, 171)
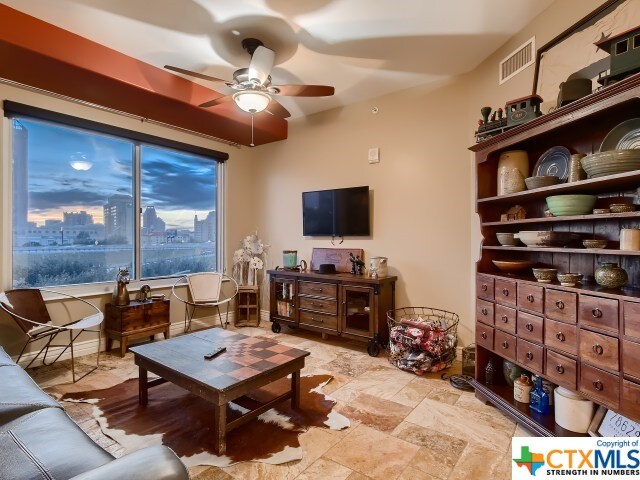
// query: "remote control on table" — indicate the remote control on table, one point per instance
point(215, 353)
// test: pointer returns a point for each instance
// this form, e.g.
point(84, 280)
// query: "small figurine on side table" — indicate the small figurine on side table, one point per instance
point(357, 265)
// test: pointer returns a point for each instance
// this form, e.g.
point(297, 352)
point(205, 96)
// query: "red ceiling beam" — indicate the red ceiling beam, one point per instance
point(38, 54)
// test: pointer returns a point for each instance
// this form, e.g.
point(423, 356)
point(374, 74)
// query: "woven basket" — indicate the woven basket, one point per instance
point(422, 339)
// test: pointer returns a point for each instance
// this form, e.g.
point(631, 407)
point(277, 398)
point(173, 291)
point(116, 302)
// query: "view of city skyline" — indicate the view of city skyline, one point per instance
point(69, 169)
point(73, 207)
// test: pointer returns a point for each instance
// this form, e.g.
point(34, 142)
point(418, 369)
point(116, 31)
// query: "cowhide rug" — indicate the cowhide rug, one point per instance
point(183, 421)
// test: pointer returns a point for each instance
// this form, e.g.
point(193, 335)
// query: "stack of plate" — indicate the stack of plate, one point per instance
point(611, 162)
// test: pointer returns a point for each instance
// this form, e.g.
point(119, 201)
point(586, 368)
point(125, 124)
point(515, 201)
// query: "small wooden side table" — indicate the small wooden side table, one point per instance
point(247, 306)
point(138, 319)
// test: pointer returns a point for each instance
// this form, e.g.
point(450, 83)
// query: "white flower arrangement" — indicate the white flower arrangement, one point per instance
point(249, 259)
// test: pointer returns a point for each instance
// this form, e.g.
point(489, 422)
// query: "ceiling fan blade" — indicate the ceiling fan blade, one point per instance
point(194, 74)
point(274, 108)
point(216, 101)
point(304, 90)
point(261, 64)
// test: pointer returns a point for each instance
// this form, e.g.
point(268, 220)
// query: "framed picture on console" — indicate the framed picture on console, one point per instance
point(572, 54)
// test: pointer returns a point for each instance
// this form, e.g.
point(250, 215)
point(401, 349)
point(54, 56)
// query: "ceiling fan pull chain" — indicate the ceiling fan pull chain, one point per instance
point(252, 114)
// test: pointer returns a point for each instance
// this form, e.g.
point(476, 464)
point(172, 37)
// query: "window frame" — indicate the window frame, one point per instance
point(138, 139)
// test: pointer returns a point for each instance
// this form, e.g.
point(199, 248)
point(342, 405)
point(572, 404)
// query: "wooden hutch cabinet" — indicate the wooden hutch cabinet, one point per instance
point(343, 304)
point(585, 338)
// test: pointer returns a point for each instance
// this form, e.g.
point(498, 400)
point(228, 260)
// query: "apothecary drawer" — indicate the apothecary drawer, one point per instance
point(562, 370)
point(530, 327)
point(599, 350)
point(484, 311)
point(318, 320)
point(484, 335)
point(561, 336)
point(598, 312)
point(630, 404)
point(559, 305)
point(631, 358)
point(602, 386)
point(505, 345)
point(632, 319)
point(531, 297)
point(505, 292)
point(505, 318)
point(318, 305)
point(318, 289)
point(484, 287)
point(530, 355)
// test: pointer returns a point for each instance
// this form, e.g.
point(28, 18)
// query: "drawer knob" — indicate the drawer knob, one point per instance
point(529, 326)
point(505, 292)
point(530, 298)
point(529, 356)
point(597, 348)
point(560, 336)
point(560, 305)
point(598, 385)
point(484, 287)
point(596, 312)
point(505, 344)
point(505, 319)
point(485, 312)
point(319, 320)
point(315, 289)
point(317, 304)
point(483, 335)
point(560, 369)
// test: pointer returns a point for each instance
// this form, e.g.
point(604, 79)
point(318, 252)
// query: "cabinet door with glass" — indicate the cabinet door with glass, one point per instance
point(357, 317)
point(283, 295)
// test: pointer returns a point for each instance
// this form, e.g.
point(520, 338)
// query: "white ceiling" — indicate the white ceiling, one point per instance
point(365, 48)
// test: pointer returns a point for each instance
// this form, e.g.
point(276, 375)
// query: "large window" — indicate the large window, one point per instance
point(75, 194)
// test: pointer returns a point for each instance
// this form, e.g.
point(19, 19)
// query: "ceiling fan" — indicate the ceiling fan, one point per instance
point(254, 92)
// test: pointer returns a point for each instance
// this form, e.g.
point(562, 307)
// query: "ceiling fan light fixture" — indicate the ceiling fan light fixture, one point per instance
point(251, 101)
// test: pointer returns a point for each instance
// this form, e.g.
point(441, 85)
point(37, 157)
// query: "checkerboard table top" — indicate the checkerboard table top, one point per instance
point(246, 357)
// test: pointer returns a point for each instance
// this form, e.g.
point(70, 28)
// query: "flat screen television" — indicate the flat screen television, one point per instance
point(338, 212)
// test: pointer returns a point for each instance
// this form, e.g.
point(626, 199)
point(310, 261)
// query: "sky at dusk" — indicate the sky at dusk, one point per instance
point(178, 185)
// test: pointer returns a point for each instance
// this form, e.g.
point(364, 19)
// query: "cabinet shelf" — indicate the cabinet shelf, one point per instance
point(586, 251)
point(542, 424)
point(610, 183)
point(568, 218)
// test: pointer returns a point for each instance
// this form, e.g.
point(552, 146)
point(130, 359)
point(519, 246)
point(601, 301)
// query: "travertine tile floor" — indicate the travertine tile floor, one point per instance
point(402, 426)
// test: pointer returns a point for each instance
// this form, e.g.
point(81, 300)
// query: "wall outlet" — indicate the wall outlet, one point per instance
point(374, 155)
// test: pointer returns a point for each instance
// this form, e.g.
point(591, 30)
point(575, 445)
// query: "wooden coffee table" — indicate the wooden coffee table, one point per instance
point(248, 364)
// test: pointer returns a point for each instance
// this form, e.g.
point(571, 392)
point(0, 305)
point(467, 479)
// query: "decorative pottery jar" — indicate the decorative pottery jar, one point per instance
point(513, 168)
point(572, 411)
point(378, 265)
point(610, 275)
point(290, 258)
point(630, 239)
point(522, 389)
point(576, 172)
point(511, 371)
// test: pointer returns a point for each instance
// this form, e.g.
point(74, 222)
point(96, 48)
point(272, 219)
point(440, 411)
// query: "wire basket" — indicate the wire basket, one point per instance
point(422, 339)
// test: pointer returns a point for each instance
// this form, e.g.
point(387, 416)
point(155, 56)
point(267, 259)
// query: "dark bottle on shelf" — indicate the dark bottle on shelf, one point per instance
point(490, 373)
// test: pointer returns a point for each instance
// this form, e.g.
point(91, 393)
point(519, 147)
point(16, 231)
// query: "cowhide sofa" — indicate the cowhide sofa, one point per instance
point(39, 441)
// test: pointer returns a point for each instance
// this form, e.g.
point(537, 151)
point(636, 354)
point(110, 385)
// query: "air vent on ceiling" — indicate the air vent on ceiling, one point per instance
point(517, 61)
